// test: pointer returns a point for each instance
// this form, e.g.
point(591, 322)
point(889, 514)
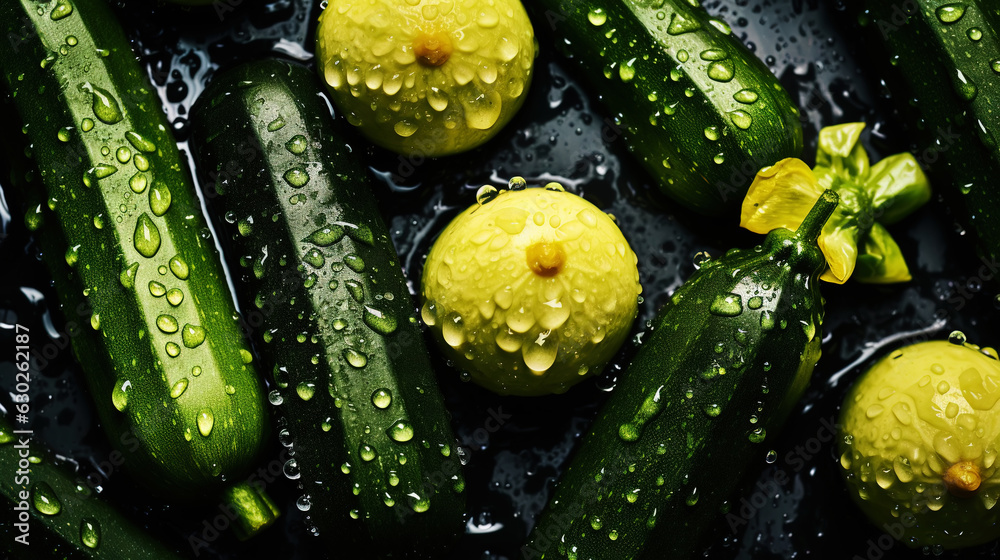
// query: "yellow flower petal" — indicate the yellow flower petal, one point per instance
point(840, 250)
point(881, 261)
point(780, 196)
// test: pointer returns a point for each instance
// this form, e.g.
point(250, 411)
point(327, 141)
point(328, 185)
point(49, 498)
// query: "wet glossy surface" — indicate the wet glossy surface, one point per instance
point(794, 504)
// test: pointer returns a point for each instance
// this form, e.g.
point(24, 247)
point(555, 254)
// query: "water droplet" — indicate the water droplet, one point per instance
point(175, 297)
point(354, 262)
point(401, 431)
point(65, 134)
point(157, 289)
point(957, 337)
point(964, 86)
point(119, 395)
point(297, 145)
point(179, 387)
point(127, 276)
point(366, 452)
point(355, 358)
point(62, 9)
point(291, 469)
point(305, 390)
point(382, 398)
point(741, 119)
point(196, 371)
point(727, 305)
point(950, 13)
point(276, 125)
point(597, 17)
point(206, 420)
point(173, 350)
point(486, 193)
point(140, 143)
point(650, 407)
point(680, 24)
point(45, 500)
point(33, 218)
point(304, 502)
point(167, 324)
point(721, 70)
point(692, 498)
point(192, 335)
point(766, 320)
point(758, 435)
point(975, 34)
point(626, 71)
point(95, 321)
point(72, 255)
point(147, 237)
point(90, 532)
point(159, 198)
point(104, 105)
point(275, 398)
point(712, 133)
point(746, 96)
point(713, 410)
point(315, 258)
point(123, 154)
point(179, 267)
point(297, 177)
point(98, 172)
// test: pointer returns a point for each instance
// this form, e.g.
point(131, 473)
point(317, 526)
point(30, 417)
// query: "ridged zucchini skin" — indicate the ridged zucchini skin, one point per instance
point(724, 362)
point(699, 110)
point(944, 73)
point(85, 525)
point(321, 284)
point(154, 326)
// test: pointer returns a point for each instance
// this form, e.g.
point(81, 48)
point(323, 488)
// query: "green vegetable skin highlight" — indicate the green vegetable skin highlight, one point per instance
point(318, 273)
point(698, 109)
point(725, 361)
point(148, 311)
point(945, 62)
point(67, 518)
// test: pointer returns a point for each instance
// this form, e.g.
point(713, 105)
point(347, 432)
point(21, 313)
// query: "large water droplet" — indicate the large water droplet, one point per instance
point(62, 9)
point(90, 532)
point(401, 431)
point(206, 420)
point(147, 237)
point(104, 105)
point(727, 305)
point(297, 177)
point(680, 24)
point(179, 267)
point(379, 321)
point(355, 358)
point(597, 17)
point(179, 387)
point(159, 198)
point(45, 499)
point(382, 398)
point(305, 390)
point(950, 13)
point(119, 395)
point(166, 324)
point(326, 236)
point(192, 335)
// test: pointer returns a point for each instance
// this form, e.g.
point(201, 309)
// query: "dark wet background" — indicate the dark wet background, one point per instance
point(558, 135)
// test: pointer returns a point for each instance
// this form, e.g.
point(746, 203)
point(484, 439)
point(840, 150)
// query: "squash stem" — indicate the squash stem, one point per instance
point(814, 221)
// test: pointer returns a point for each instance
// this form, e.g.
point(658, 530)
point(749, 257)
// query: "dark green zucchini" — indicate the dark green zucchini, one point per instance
point(697, 108)
point(150, 316)
point(321, 286)
point(725, 361)
point(50, 513)
point(941, 61)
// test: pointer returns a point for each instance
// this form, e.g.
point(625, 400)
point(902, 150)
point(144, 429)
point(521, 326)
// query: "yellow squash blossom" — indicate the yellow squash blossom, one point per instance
point(854, 240)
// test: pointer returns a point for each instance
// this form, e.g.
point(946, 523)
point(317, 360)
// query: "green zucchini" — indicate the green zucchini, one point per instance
point(697, 108)
point(124, 237)
point(725, 361)
point(943, 59)
point(321, 285)
point(53, 514)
